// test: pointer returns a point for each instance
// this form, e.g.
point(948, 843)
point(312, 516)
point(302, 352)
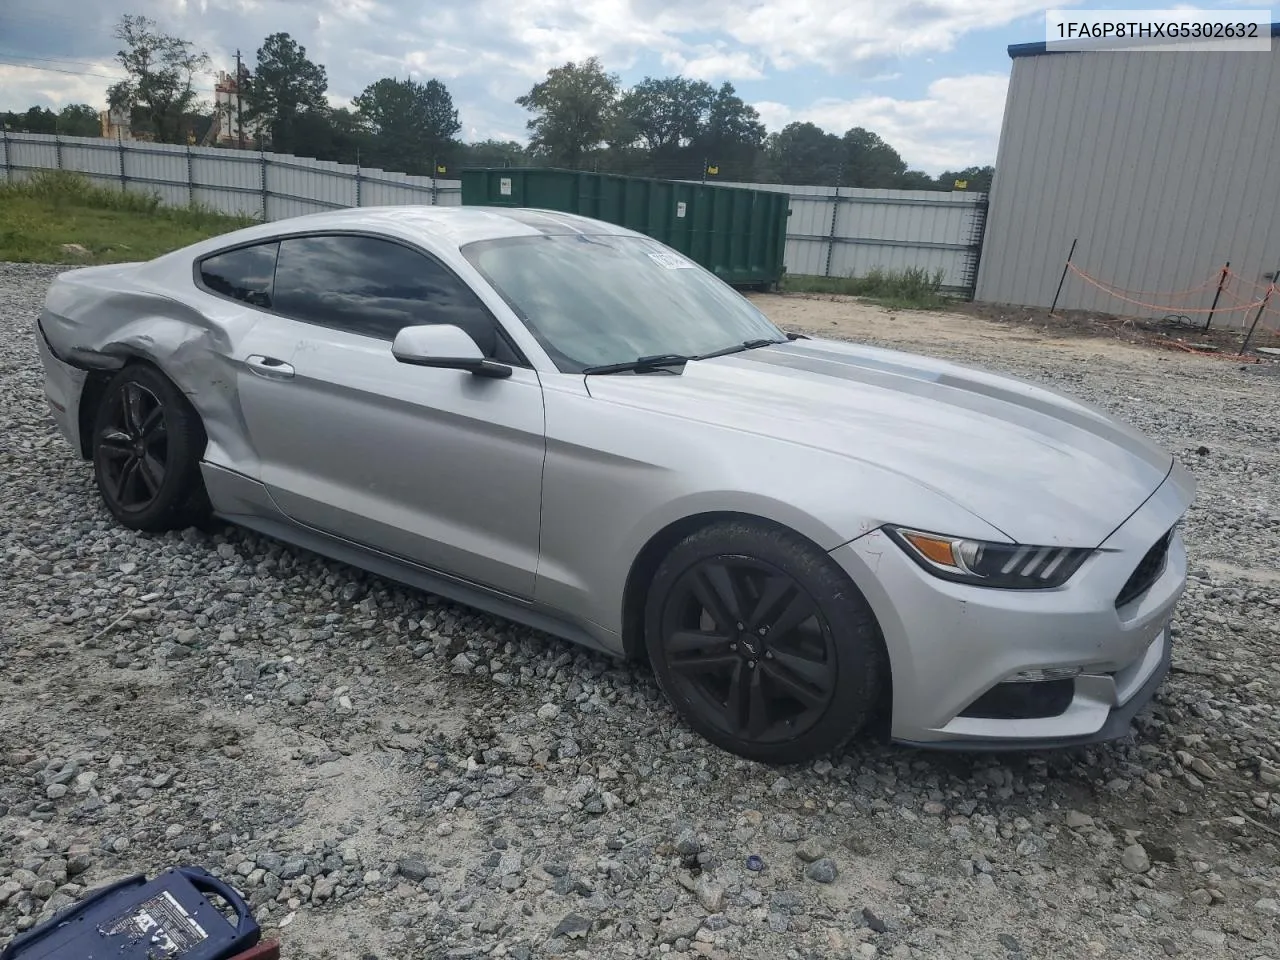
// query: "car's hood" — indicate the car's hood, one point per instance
point(1039, 466)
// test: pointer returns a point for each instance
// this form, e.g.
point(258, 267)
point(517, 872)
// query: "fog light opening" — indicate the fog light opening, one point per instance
point(1023, 700)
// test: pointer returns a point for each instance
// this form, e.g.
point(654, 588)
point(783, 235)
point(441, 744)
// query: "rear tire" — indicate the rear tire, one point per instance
point(762, 643)
point(147, 445)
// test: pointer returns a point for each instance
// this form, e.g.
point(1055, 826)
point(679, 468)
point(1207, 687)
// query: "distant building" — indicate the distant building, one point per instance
point(115, 124)
point(1151, 169)
point(227, 106)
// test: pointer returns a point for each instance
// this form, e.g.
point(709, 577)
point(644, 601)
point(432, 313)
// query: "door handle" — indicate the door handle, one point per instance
point(269, 367)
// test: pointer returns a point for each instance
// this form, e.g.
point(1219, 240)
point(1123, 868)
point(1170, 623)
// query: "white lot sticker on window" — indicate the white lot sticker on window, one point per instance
point(504, 186)
point(670, 261)
point(680, 209)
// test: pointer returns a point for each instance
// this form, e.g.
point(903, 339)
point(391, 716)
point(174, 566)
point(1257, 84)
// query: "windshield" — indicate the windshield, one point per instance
point(595, 300)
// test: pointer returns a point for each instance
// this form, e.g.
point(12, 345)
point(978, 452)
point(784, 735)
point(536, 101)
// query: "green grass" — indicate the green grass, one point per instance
point(911, 289)
point(39, 215)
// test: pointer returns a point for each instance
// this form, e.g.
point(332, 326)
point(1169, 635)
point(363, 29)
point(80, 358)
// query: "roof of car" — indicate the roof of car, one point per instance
point(449, 224)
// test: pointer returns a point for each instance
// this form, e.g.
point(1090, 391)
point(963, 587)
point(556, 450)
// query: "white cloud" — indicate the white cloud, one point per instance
point(714, 64)
point(957, 124)
point(839, 33)
point(775, 115)
point(491, 51)
point(24, 87)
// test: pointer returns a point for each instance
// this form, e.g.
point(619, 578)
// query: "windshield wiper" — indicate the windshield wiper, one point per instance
point(659, 360)
point(739, 347)
point(653, 362)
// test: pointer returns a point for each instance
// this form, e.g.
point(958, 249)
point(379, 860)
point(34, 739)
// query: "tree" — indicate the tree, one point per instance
point(79, 120)
point(805, 154)
point(732, 136)
point(335, 135)
point(978, 179)
point(915, 180)
point(870, 162)
point(665, 114)
point(33, 120)
point(413, 124)
point(159, 87)
point(284, 86)
point(493, 153)
point(574, 107)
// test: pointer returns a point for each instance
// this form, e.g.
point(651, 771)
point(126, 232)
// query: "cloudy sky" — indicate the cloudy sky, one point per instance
point(927, 75)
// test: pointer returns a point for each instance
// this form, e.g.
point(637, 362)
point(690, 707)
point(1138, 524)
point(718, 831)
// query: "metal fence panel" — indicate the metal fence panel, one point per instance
point(33, 152)
point(229, 181)
point(805, 257)
point(837, 232)
point(849, 231)
point(810, 216)
point(159, 169)
point(90, 157)
point(383, 187)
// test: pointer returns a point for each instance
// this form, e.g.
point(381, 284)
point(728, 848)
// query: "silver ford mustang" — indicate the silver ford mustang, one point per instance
point(573, 426)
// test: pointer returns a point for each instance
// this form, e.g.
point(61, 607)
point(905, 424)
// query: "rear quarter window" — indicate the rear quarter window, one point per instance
point(246, 274)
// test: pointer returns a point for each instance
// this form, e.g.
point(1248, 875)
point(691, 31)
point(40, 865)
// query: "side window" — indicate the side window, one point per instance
point(243, 274)
point(374, 287)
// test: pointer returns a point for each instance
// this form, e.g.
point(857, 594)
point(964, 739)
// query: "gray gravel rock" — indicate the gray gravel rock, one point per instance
point(710, 894)
point(1135, 858)
point(395, 775)
point(810, 850)
point(822, 871)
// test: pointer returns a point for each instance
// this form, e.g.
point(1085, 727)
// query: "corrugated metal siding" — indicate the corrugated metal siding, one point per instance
point(32, 152)
point(1161, 165)
point(227, 180)
point(161, 170)
point(230, 181)
point(884, 229)
point(888, 229)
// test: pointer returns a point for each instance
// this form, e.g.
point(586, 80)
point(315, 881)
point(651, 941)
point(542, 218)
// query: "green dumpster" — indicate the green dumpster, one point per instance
point(738, 234)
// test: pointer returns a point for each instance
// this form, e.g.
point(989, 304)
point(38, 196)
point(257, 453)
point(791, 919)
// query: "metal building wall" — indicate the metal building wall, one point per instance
point(1162, 164)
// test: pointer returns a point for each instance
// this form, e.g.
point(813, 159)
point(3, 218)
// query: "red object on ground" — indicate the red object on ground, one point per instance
point(263, 951)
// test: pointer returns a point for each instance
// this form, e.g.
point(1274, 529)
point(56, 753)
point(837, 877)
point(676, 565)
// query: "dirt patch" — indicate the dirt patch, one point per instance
point(1006, 323)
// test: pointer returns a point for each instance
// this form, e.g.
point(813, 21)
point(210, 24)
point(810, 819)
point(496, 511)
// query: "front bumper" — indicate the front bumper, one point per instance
point(951, 645)
point(63, 385)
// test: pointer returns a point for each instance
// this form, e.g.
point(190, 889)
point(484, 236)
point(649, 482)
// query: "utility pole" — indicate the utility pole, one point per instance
point(239, 112)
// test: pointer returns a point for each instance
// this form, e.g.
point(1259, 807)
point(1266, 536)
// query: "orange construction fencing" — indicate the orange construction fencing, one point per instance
point(1246, 297)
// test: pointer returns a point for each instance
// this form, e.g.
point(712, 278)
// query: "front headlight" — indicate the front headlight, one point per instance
point(1010, 566)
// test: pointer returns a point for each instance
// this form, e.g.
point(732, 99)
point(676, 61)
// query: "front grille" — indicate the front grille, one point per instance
point(1148, 571)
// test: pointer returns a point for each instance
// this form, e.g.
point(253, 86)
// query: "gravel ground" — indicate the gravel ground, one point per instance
point(389, 775)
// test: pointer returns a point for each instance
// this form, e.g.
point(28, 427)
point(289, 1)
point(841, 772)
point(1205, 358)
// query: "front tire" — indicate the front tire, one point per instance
point(147, 445)
point(762, 644)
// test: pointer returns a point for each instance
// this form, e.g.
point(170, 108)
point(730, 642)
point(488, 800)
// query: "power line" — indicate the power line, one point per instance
point(75, 73)
point(24, 56)
point(84, 73)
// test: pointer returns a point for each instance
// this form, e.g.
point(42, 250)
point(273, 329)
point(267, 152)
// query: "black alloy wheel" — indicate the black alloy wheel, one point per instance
point(750, 643)
point(762, 643)
point(147, 445)
point(133, 442)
